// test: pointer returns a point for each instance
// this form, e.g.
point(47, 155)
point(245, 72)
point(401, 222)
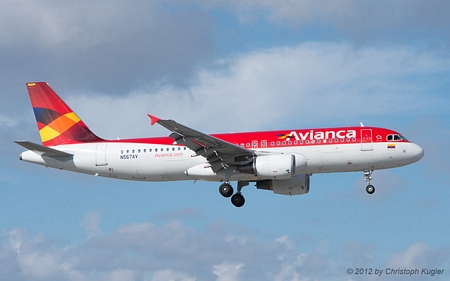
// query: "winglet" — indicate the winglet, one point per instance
point(153, 119)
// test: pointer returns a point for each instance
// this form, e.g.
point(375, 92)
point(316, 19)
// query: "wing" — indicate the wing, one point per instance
point(220, 154)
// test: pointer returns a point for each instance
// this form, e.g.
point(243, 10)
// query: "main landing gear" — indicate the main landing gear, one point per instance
point(227, 190)
point(367, 177)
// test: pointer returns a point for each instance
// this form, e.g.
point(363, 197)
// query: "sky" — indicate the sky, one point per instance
point(227, 66)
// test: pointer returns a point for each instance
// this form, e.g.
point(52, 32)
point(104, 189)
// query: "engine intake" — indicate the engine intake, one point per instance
point(275, 166)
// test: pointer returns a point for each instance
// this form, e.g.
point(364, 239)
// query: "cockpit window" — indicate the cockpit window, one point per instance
point(395, 137)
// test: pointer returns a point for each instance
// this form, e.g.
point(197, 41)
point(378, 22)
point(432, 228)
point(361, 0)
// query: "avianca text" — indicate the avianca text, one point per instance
point(321, 135)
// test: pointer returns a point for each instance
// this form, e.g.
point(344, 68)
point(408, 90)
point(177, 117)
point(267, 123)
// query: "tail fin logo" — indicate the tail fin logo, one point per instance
point(57, 127)
point(57, 123)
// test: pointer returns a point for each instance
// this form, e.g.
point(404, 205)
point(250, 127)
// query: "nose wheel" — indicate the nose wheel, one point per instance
point(370, 189)
point(368, 177)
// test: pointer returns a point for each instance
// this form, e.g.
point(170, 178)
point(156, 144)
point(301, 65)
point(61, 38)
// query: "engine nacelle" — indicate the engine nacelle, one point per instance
point(293, 186)
point(275, 166)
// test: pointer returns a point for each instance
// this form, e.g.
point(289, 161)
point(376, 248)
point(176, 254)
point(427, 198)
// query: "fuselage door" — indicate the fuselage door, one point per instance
point(366, 139)
point(263, 144)
point(100, 155)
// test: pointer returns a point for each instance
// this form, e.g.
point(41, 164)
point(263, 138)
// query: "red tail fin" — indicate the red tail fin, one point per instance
point(57, 123)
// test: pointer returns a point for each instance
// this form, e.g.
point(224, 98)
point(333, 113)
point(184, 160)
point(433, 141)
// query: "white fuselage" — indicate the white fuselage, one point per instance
point(154, 162)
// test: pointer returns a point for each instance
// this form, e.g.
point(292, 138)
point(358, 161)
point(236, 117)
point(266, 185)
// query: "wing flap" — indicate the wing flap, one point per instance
point(43, 150)
point(220, 154)
point(196, 140)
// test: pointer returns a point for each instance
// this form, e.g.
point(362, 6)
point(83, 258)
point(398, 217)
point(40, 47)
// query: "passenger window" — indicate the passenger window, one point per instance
point(139, 151)
point(121, 152)
point(133, 151)
point(128, 151)
point(167, 149)
point(156, 150)
point(145, 150)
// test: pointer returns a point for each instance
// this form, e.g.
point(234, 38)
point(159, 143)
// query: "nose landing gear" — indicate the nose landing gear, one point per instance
point(367, 177)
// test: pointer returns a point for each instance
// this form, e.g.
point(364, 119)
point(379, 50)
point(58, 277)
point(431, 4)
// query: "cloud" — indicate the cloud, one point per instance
point(108, 45)
point(359, 20)
point(90, 223)
point(418, 255)
point(34, 258)
point(6, 121)
point(306, 85)
point(174, 251)
point(163, 275)
point(228, 271)
point(121, 275)
point(358, 254)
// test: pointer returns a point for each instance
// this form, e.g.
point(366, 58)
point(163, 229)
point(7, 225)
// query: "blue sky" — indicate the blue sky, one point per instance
point(221, 66)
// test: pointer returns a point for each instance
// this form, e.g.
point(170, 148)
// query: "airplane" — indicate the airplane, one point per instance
point(281, 161)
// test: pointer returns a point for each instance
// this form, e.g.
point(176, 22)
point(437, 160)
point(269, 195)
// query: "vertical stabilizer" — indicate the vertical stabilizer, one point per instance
point(57, 123)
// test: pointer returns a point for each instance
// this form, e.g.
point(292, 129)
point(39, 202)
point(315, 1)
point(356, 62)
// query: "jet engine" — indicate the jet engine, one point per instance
point(275, 166)
point(293, 186)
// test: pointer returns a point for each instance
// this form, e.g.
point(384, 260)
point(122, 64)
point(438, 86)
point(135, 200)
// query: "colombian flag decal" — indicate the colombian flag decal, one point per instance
point(391, 145)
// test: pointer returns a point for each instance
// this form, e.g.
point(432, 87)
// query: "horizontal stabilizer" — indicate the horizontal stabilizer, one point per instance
point(43, 150)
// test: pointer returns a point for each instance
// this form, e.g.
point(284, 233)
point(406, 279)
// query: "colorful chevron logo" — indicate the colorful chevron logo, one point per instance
point(56, 127)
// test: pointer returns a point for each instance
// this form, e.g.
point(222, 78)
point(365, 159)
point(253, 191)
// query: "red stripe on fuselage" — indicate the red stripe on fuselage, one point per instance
point(304, 137)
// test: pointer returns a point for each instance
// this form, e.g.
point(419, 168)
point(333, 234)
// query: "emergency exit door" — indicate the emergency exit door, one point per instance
point(366, 139)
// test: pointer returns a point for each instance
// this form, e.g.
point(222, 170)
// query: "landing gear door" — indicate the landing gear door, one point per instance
point(100, 155)
point(366, 139)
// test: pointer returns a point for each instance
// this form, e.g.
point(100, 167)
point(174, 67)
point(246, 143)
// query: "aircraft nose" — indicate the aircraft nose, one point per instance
point(417, 152)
